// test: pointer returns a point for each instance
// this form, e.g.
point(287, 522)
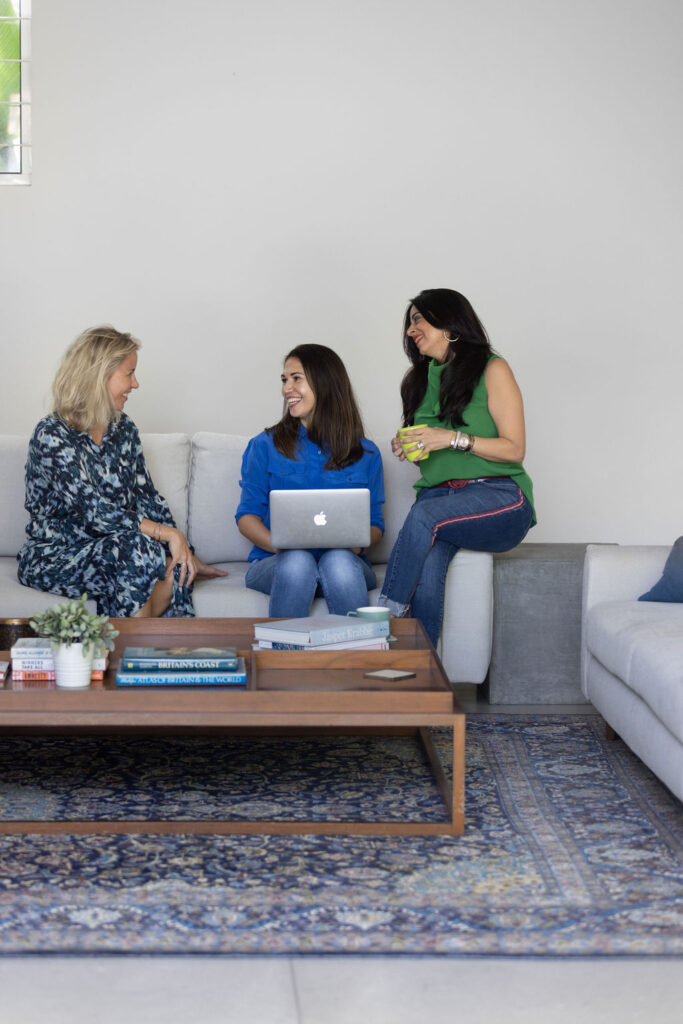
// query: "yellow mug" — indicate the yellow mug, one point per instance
point(404, 437)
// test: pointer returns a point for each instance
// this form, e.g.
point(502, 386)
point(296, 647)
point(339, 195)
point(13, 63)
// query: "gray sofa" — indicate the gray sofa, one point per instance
point(199, 476)
point(632, 655)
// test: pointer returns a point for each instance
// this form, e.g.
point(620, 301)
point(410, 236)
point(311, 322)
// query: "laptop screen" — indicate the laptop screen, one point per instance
point(329, 518)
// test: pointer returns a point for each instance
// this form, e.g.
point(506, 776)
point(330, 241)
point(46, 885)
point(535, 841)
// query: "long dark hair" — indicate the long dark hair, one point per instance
point(469, 347)
point(336, 422)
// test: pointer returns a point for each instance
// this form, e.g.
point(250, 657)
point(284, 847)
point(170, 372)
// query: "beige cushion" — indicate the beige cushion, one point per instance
point(214, 497)
point(13, 517)
point(168, 461)
point(641, 642)
point(19, 602)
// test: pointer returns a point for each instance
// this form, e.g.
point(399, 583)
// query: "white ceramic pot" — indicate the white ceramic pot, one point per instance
point(72, 666)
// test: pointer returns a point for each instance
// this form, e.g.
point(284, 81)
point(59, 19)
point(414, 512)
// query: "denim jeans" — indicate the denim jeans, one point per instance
point(292, 578)
point(484, 515)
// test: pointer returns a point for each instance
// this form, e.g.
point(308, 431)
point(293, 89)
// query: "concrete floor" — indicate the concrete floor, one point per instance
point(344, 989)
point(338, 990)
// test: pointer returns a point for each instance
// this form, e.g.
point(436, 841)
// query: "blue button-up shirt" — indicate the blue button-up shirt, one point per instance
point(265, 469)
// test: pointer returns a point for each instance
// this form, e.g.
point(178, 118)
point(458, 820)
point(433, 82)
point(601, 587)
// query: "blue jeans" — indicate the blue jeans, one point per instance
point(292, 578)
point(484, 515)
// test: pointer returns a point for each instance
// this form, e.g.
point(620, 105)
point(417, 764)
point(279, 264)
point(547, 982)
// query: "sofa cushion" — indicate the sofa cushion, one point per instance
point(13, 516)
point(214, 497)
point(670, 586)
point(229, 597)
point(399, 495)
point(19, 602)
point(642, 644)
point(168, 461)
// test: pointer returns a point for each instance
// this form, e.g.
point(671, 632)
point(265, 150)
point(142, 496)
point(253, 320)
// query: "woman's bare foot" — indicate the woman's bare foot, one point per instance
point(207, 572)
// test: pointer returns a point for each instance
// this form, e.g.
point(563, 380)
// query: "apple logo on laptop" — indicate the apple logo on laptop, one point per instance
point(320, 519)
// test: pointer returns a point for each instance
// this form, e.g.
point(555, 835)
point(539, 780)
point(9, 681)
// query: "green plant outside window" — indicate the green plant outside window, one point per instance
point(10, 89)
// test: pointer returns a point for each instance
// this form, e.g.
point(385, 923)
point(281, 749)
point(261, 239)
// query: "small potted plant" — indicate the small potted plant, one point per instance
point(76, 636)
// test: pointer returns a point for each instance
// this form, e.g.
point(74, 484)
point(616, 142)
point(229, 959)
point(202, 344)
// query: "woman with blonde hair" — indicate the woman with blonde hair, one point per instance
point(97, 524)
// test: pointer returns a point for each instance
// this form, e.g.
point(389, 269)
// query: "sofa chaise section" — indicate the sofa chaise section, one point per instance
point(632, 655)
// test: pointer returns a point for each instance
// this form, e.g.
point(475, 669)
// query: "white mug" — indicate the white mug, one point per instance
point(372, 612)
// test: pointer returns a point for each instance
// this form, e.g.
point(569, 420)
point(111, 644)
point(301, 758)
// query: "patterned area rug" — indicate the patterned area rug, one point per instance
point(572, 847)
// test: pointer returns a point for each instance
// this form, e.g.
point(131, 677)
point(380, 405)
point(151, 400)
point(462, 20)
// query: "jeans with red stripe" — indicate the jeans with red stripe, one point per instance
point(483, 515)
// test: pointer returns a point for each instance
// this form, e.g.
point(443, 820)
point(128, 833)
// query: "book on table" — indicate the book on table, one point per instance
point(30, 677)
point(373, 643)
point(31, 647)
point(34, 655)
point(48, 664)
point(210, 659)
point(183, 677)
point(323, 629)
point(19, 675)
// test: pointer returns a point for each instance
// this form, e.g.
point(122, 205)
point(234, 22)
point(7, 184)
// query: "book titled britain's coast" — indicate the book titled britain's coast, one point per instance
point(200, 677)
point(179, 659)
point(324, 629)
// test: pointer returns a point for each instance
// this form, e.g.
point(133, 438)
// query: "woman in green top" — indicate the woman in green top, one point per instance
point(466, 411)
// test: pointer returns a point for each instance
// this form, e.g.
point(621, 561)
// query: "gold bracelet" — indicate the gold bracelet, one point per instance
point(454, 440)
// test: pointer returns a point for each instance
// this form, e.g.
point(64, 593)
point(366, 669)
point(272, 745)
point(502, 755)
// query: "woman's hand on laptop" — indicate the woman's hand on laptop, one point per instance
point(375, 538)
point(254, 529)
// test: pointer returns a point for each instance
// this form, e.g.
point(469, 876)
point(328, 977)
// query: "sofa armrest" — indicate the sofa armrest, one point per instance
point(612, 572)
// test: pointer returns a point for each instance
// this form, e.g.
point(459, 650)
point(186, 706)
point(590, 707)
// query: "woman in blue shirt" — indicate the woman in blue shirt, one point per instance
point(318, 443)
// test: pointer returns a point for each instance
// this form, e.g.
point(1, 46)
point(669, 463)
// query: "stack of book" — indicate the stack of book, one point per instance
point(32, 660)
point(324, 633)
point(181, 666)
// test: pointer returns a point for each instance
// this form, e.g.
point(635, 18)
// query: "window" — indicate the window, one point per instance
point(15, 95)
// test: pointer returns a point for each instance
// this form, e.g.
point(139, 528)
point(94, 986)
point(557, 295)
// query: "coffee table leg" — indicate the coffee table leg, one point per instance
point(453, 793)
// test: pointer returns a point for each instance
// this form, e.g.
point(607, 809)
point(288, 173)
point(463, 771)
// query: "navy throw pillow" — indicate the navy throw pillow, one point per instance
point(670, 586)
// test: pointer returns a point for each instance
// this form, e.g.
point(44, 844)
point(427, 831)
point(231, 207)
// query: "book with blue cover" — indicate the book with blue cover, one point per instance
point(179, 658)
point(199, 677)
point(313, 631)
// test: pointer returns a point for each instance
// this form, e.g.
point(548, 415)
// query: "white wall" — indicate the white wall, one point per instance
point(227, 179)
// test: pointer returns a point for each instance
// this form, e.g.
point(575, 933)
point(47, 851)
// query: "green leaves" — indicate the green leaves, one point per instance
point(71, 622)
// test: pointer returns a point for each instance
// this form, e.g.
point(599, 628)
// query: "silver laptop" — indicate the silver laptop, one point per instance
point(338, 518)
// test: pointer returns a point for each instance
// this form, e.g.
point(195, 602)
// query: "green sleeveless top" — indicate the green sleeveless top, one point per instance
point(447, 464)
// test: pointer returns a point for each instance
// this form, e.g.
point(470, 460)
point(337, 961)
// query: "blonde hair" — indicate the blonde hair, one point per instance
point(81, 396)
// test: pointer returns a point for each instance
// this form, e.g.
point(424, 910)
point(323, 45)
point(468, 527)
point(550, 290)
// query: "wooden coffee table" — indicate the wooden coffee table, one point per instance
point(287, 691)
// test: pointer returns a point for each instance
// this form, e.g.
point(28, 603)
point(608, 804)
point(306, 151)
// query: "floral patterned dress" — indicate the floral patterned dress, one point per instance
point(86, 502)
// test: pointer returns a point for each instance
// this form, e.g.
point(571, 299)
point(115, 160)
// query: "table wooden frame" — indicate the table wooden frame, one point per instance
point(269, 703)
